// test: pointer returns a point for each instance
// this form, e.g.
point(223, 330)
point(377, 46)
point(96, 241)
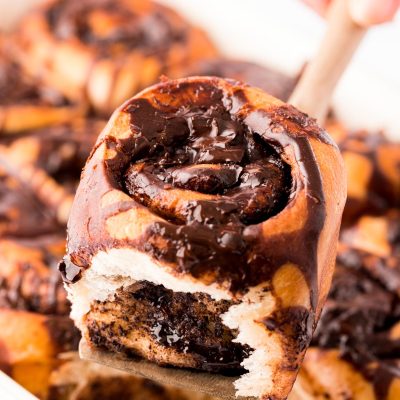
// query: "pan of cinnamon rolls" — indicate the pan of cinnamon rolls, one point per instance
point(204, 227)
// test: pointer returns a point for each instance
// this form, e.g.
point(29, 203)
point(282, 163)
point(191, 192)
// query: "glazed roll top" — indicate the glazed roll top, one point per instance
point(208, 187)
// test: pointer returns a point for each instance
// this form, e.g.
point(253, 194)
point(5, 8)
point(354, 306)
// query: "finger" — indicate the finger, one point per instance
point(320, 6)
point(372, 12)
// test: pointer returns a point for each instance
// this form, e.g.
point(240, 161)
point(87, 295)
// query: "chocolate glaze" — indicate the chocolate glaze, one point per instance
point(207, 151)
point(189, 125)
point(184, 322)
point(151, 33)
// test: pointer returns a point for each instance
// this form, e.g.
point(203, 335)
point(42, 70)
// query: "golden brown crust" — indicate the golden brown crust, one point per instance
point(103, 52)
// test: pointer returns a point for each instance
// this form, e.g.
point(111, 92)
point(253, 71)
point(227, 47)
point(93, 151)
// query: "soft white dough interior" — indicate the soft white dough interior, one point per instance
point(121, 267)
point(266, 359)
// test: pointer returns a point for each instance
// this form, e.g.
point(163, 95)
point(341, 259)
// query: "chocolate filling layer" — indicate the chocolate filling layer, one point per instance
point(174, 323)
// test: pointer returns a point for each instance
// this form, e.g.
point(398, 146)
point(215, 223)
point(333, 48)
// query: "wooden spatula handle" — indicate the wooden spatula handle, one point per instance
point(315, 88)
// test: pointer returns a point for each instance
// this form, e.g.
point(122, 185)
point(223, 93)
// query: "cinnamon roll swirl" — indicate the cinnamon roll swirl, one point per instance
point(105, 51)
point(203, 233)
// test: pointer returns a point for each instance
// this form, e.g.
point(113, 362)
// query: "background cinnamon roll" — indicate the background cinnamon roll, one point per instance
point(200, 184)
point(105, 51)
point(24, 103)
point(373, 171)
point(29, 346)
point(34, 321)
point(39, 171)
point(356, 349)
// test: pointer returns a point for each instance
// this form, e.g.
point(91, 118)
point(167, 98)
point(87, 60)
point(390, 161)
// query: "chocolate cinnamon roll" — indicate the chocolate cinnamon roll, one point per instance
point(26, 104)
point(39, 171)
point(373, 244)
point(373, 171)
point(105, 51)
point(38, 175)
point(34, 321)
point(203, 233)
point(356, 350)
point(28, 279)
